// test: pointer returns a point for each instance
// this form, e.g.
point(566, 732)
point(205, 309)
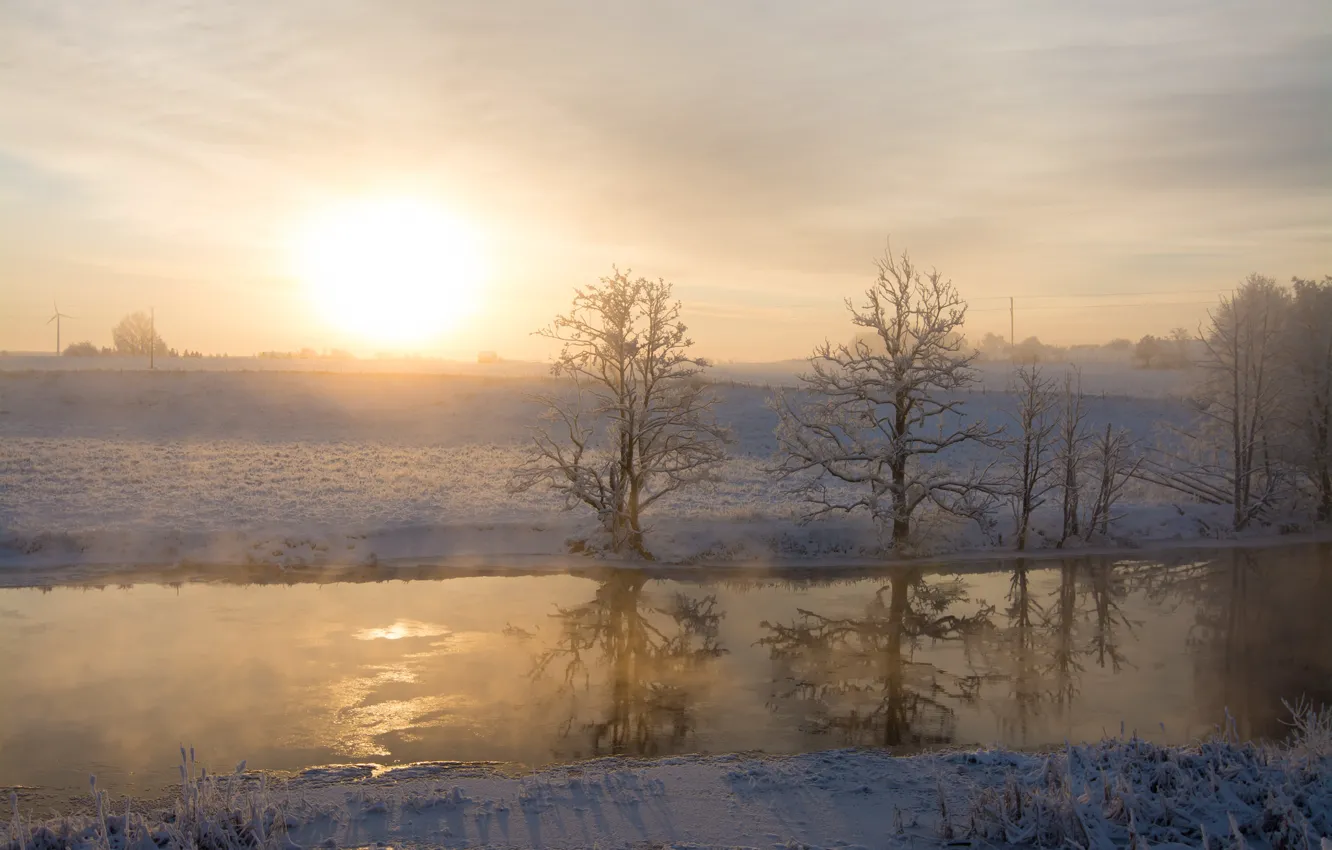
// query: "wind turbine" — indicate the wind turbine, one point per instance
point(56, 318)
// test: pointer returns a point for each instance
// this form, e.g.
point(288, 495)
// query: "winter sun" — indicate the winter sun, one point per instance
point(391, 271)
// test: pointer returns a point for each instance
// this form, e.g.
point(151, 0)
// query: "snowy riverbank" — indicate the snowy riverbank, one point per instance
point(103, 469)
point(1118, 793)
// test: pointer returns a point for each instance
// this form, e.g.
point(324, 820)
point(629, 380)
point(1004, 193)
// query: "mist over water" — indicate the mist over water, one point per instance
point(536, 670)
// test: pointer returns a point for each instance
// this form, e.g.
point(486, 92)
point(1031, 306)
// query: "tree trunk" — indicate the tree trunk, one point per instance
point(895, 727)
point(1324, 473)
point(901, 519)
point(1325, 487)
point(1070, 501)
point(634, 536)
point(1024, 507)
point(1236, 423)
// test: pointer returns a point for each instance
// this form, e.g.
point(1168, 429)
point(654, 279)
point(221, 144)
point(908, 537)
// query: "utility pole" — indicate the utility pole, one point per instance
point(1012, 338)
point(152, 336)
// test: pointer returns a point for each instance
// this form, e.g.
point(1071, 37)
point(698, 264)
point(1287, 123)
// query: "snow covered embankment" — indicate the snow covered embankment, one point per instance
point(1118, 793)
point(120, 469)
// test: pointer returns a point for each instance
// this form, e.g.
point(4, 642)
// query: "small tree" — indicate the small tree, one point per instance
point(1147, 353)
point(1030, 351)
point(80, 349)
point(1180, 348)
point(134, 334)
point(639, 422)
point(995, 347)
point(1031, 449)
point(875, 414)
point(1113, 466)
point(1071, 452)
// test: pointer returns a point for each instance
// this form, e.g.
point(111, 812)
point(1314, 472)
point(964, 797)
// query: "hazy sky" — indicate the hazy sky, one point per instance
point(755, 153)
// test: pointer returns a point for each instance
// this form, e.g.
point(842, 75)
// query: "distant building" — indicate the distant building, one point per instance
point(487, 357)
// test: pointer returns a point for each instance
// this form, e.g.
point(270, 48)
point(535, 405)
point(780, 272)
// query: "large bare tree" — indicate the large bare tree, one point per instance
point(876, 413)
point(1239, 399)
point(1308, 407)
point(635, 421)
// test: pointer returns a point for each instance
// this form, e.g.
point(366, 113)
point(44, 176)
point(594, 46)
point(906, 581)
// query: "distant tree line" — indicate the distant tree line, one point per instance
point(877, 419)
point(308, 354)
point(1175, 351)
point(133, 335)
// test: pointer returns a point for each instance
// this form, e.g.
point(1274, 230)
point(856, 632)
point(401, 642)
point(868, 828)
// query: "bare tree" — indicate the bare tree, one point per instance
point(1308, 407)
point(1239, 401)
point(1031, 448)
point(1242, 387)
point(1071, 452)
point(1113, 467)
point(134, 334)
point(639, 423)
point(876, 413)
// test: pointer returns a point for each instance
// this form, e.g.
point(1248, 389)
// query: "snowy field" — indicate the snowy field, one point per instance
point(1100, 373)
point(305, 468)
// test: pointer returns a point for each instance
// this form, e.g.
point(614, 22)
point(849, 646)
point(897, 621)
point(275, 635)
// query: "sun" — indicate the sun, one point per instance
point(391, 271)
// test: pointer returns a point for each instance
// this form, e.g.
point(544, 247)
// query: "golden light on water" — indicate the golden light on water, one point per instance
point(390, 271)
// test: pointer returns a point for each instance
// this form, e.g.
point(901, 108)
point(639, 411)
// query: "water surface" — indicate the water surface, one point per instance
point(540, 669)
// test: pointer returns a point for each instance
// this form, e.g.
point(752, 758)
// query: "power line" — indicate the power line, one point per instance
point(1082, 306)
point(1107, 294)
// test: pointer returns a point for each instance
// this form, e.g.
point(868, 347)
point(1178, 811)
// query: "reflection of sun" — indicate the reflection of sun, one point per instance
point(402, 629)
point(358, 713)
point(390, 270)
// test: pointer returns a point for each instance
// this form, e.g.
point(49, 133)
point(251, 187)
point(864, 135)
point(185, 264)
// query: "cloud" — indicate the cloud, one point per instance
point(751, 137)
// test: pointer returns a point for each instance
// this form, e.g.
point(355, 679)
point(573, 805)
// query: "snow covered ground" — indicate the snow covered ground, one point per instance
point(305, 468)
point(1121, 792)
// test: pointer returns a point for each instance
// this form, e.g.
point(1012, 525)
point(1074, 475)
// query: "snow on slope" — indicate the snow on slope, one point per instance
point(1118, 793)
point(308, 468)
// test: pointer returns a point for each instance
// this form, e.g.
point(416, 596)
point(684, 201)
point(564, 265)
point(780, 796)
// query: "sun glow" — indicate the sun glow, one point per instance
point(393, 271)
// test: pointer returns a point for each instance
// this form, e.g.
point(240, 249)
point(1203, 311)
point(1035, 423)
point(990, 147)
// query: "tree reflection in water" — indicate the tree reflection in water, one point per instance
point(856, 677)
point(653, 661)
point(1260, 635)
point(1048, 638)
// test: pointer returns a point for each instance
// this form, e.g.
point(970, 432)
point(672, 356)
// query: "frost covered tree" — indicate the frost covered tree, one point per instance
point(1030, 449)
point(874, 418)
point(1242, 388)
point(639, 421)
point(1239, 400)
point(1071, 444)
point(1113, 466)
point(1307, 353)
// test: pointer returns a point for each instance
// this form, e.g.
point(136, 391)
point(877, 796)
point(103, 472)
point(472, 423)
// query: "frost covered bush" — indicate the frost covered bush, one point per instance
point(211, 813)
point(1131, 793)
